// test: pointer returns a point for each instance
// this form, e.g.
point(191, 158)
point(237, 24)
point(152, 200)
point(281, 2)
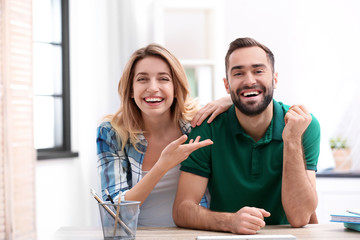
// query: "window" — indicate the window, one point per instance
point(51, 79)
point(200, 77)
point(198, 25)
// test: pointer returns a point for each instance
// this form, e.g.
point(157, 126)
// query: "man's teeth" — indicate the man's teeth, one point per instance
point(255, 93)
point(153, 99)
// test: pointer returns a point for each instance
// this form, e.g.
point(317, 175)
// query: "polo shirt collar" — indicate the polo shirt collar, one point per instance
point(277, 123)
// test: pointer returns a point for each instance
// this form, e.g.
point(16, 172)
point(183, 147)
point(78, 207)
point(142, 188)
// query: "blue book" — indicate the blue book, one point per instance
point(351, 219)
point(345, 217)
point(353, 226)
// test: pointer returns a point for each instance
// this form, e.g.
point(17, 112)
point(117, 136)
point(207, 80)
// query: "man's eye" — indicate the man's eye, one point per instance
point(238, 74)
point(259, 71)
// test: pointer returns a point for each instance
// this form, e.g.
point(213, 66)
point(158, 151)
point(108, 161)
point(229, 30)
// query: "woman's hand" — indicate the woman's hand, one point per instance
point(213, 108)
point(172, 155)
point(176, 151)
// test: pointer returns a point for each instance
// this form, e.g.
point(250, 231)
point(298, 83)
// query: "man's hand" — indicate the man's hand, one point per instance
point(249, 220)
point(297, 119)
point(189, 214)
point(298, 191)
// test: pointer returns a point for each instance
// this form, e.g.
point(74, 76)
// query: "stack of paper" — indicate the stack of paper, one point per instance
point(351, 219)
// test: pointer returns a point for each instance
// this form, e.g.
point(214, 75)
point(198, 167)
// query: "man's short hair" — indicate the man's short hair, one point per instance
point(248, 42)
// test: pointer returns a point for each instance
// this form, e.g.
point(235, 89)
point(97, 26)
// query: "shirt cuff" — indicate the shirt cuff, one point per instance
point(122, 196)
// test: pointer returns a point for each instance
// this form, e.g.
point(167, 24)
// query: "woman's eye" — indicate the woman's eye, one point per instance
point(141, 79)
point(164, 79)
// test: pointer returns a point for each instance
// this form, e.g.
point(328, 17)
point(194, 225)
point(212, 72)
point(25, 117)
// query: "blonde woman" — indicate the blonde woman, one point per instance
point(140, 147)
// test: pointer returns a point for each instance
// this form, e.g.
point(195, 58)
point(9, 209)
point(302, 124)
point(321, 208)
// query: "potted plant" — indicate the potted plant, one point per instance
point(341, 153)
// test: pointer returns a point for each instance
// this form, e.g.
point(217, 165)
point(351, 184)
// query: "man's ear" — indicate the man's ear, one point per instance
point(276, 76)
point(226, 84)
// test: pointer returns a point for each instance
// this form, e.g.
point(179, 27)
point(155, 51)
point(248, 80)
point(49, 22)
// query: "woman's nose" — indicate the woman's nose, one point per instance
point(153, 85)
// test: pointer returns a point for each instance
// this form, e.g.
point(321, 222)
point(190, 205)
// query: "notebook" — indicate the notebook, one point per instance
point(250, 237)
point(351, 219)
point(345, 217)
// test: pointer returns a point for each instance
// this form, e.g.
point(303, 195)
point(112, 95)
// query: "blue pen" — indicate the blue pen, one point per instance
point(357, 212)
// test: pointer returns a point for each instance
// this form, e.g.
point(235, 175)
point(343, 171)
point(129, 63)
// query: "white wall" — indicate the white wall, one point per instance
point(336, 195)
point(316, 51)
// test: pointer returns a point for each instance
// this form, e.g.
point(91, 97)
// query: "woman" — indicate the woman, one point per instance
point(141, 146)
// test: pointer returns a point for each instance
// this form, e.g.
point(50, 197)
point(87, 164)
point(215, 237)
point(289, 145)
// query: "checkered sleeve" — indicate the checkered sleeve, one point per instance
point(111, 162)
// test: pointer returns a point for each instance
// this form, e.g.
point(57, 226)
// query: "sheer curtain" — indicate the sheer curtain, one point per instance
point(348, 127)
point(17, 154)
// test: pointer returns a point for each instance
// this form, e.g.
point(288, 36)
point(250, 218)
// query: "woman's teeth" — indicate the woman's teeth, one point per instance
point(153, 99)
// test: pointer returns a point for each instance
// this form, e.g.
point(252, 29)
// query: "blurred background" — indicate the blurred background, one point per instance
point(80, 48)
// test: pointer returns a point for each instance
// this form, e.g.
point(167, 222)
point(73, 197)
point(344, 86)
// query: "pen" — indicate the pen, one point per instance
point(98, 199)
point(117, 214)
point(108, 195)
point(357, 212)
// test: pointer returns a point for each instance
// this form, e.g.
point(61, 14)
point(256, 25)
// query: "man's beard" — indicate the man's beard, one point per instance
point(251, 108)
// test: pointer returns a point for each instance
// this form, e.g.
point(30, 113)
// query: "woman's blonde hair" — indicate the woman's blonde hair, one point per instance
point(127, 121)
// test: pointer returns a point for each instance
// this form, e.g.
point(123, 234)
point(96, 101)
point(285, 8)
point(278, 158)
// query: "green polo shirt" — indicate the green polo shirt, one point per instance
point(243, 172)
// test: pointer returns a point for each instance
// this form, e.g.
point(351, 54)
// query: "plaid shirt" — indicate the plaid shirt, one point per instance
point(120, 169)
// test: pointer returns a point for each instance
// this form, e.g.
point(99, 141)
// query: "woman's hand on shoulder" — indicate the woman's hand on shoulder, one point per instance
point(213, 108)
point(176, 151)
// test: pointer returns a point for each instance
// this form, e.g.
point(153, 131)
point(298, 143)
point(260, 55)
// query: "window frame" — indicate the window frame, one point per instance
point(65, 150)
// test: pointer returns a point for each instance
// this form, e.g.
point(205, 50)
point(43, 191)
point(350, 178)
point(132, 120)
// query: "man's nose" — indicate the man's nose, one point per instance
point(250, 79)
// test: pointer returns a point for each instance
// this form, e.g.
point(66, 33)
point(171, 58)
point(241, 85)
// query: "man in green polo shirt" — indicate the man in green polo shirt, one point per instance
point(261, 168)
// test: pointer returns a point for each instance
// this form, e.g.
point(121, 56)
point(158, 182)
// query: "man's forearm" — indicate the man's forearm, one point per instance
point(190, 215)
point(299, 196)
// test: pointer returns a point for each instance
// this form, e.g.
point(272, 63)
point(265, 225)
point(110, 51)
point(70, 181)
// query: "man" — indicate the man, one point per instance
point(261, 167)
